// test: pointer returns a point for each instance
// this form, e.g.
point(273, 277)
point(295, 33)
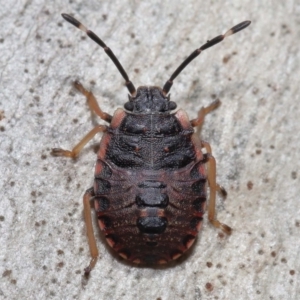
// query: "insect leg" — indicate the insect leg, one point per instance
point(213, 187)
point(203, 112)
point(87, 198)
point(76, 150)
point(197, 123)
point(92, 102)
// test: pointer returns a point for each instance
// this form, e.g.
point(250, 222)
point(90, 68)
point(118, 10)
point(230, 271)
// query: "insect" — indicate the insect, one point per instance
point(152, 170)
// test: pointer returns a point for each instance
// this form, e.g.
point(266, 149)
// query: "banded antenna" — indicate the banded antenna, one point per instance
point(107, 50)
point(194, 54)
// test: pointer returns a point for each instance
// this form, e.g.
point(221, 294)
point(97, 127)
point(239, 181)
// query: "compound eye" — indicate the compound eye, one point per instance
point(128, 106)
point(172, 105)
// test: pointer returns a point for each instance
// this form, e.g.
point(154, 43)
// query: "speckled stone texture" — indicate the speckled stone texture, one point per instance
point(254, 136)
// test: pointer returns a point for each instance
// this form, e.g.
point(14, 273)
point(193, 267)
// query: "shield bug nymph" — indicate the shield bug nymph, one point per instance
point(151, 173)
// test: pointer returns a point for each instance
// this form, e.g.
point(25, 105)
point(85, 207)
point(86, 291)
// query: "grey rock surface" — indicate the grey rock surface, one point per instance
point(254, 136)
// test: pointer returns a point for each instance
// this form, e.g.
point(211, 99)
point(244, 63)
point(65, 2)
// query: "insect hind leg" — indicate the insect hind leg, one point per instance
point(87, 198)
point(214, 187)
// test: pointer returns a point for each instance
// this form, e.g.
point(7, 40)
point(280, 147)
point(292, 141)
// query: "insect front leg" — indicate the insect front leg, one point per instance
point(92, 102)
point(76, 150)
point(213, 187)
point(203, 112)
point(87, 198)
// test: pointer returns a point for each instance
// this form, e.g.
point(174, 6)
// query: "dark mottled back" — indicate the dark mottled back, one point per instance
point(150, 182)
point(151, 141)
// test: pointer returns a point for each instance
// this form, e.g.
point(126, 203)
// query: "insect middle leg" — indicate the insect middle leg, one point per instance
point(198, 122)
point(94, 107)
point(76, 150)
point(213, 188)
point(87, 198)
